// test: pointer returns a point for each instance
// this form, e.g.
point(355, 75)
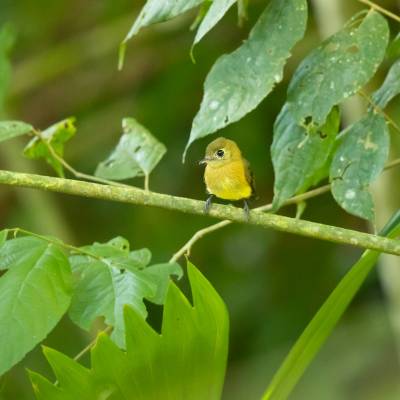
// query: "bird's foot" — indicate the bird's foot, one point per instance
point(208, 204)
point(246, 209)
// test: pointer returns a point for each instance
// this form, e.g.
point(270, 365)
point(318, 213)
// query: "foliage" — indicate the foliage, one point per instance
point(321, 326)
point(45, 279)
point(194, 337)
point(113, 277)
point(239, 81)
point(38, 289)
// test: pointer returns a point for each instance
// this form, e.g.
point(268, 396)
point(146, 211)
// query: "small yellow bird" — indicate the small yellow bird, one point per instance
point(227, 174)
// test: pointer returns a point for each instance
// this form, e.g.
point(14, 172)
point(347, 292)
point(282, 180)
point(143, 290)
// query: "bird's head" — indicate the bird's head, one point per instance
point(220, 152)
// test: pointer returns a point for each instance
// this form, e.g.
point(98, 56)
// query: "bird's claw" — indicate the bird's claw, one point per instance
point(208, 204)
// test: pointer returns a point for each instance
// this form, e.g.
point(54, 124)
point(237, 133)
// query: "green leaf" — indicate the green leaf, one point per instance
point(300, 158)
point(239, 81)
point(35, 292)
point(104, 290)
point(215, 12)
point(56, 136)
point(11, 129)
point(323, 323)
point(160, 274)
point(393, 50)
point(112, 278)
point(359, 159)
point(337, 69)
point(137, 153)
point(390, 87)
point(156, 11)
point(186, 361)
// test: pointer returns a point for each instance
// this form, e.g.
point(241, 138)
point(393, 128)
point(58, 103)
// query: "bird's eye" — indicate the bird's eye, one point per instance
point(220, 153)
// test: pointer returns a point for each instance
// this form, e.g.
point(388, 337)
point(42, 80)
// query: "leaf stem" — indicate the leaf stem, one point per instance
point(379, 110)
point(55, 242)
point(91, 344)
point(380, 9)
point(132, 195)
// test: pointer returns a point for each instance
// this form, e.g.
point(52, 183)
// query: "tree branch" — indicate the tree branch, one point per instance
point(257, 217)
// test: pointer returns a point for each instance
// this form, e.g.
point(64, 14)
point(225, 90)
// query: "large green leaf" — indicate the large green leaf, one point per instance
point(11, 129)
point(321, 326)
point(158, 11)
point(390, 87)
point(215, 12)
point(137, 153)
point(112, 278)
point(299, 157)
point(186, 361)
point(239, 81)
point(35, 292)
point(337, 69)
point(358, 161)
point(56, 136)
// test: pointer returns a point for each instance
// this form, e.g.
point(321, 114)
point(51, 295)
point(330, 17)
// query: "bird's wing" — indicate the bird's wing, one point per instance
point(250, 177)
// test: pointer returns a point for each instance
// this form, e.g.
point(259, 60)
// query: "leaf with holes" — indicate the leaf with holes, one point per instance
point(300, 159)
point(338, 68)
point(216, 11)
point(35, 292)
point(390, 87)
point(137, 153)
point(55, 136)
point(358, 161)
point(111, 276)
point(186, 361)
point(239, 81)
point(12, 129)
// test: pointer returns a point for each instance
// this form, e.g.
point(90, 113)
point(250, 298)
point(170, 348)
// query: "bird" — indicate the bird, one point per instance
point(227, 174)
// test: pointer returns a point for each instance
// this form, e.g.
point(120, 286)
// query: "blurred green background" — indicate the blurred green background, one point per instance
point(65, 63)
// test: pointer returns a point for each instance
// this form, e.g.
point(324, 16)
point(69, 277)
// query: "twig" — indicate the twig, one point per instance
point(380, 9)
point(91, 344)
point(146, 182)
point(379, 110)
point(88, 348)
point(132, 195)
point(186, 248)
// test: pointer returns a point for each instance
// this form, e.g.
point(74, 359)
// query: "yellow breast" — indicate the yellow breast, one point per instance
point(228, 182)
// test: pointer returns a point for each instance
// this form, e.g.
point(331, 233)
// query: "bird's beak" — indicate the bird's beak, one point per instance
point(204, 160)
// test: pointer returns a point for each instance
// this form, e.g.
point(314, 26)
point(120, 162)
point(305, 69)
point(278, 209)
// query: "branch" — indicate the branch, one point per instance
point(257, 217)
point(186, 248)
point(380, 9)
